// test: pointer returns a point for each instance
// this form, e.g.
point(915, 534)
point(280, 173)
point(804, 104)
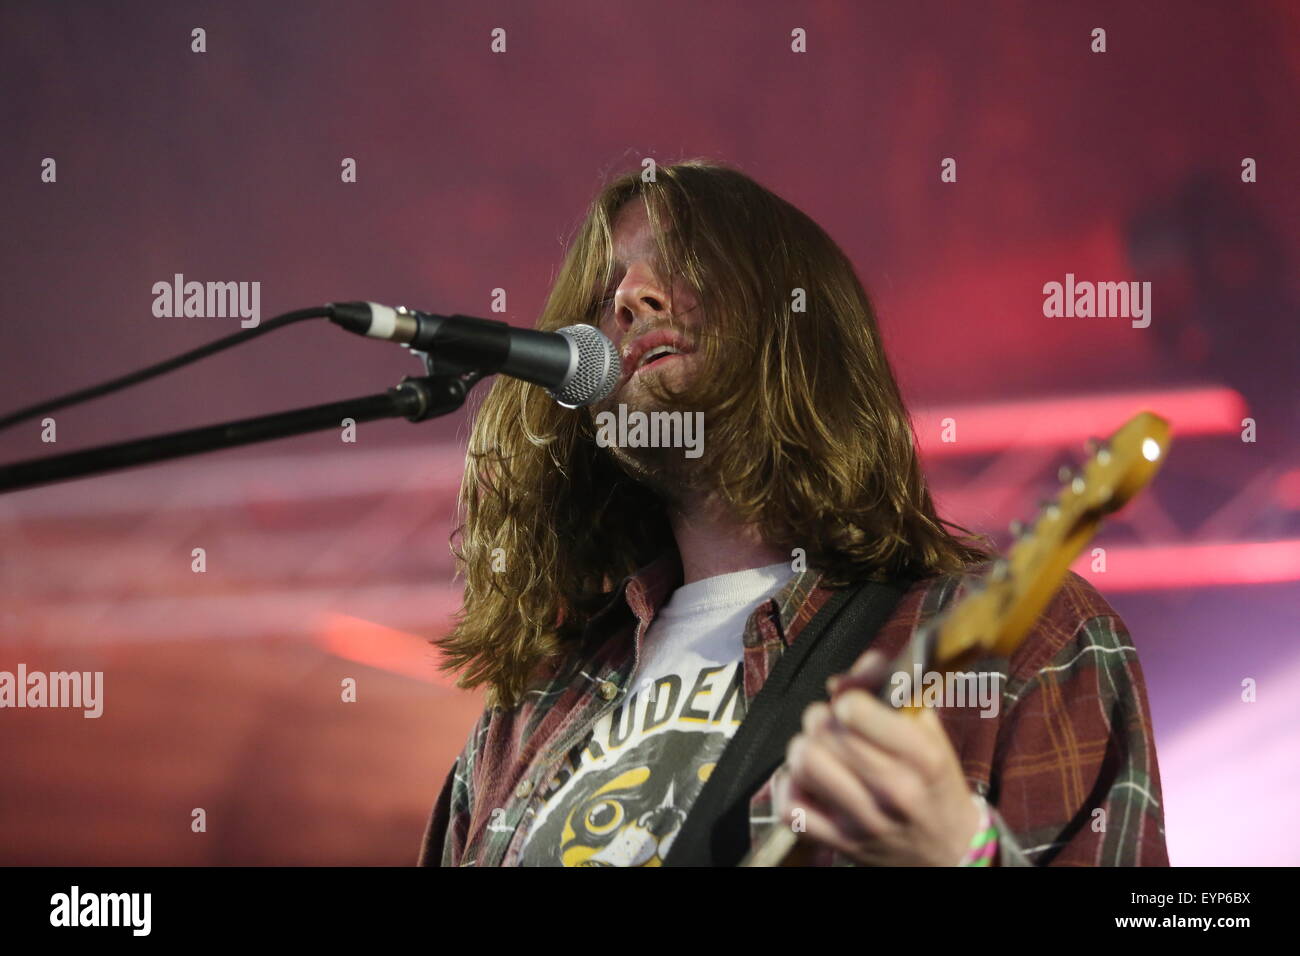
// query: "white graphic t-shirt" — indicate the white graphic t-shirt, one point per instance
point(625, 797)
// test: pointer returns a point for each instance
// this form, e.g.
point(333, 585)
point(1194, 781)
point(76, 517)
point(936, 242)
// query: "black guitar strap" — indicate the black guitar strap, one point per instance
point(716, 830)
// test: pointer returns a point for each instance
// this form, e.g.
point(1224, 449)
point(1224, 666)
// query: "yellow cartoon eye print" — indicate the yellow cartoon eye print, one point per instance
point(629, 813)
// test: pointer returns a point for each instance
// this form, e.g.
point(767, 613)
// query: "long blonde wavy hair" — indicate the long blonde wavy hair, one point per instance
point(808, 435)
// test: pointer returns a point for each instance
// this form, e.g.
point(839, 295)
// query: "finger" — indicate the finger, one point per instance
point(820, 828)
point(797, 804)
point(937, 757)
point(884, 775)
point(816, 717)
point(808, 805)
point(817, 770)
point(927, 718)
point(879, 723)
point(821, 825)
point(892, 782)
point(868, 673)
point(872, 662)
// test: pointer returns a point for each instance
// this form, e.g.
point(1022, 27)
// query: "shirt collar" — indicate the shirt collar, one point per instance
point(651, 586)
point(646, 590)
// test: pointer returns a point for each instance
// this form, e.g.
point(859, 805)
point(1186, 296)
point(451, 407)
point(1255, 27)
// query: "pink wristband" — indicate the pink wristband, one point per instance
point(984, 844)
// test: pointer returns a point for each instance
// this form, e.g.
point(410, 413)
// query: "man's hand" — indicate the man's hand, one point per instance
point(882, 786)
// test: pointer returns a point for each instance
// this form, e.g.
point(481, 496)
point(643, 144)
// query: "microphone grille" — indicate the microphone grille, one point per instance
point(595, 374)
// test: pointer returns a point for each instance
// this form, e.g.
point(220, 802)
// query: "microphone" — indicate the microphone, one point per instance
point(577, 365)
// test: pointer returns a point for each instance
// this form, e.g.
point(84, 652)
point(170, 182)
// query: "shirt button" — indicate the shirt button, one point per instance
point(608, 689)
point(524, 789)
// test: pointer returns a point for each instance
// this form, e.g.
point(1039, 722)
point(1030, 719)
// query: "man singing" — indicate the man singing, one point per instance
point(625, 602)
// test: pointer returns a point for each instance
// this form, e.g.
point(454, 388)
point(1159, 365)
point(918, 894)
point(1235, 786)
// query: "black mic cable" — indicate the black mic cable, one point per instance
point(577, 365)
point(153, 371)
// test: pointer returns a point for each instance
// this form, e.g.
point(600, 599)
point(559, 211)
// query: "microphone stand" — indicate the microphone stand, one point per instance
point(443, 390)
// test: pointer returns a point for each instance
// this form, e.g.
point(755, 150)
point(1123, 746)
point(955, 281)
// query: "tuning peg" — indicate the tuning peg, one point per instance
point(1048, 509)
point(1000, 570)
point(1017, 528)
point(1064, 474)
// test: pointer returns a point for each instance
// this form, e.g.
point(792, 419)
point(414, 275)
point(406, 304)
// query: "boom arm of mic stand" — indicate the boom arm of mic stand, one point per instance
point(414, 399)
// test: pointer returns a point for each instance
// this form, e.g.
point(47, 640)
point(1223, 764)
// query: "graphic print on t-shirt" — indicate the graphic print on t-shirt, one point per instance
point(643, 767)
point(623, 794)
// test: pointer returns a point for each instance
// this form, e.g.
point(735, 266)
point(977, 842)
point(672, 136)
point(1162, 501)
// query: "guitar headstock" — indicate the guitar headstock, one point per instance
point(1002, 607)
point(1123, 466)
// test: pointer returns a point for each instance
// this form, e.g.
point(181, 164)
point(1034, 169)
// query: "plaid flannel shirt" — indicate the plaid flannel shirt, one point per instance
point(1072, 735)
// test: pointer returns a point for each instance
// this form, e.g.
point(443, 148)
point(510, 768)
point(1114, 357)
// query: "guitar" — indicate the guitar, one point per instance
point(994, 617)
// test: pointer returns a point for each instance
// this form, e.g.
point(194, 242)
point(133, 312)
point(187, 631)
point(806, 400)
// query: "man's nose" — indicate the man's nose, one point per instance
point(640, 295)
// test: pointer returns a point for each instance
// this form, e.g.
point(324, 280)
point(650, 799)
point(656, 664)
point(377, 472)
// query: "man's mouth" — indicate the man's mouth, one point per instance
point(652, 349)
point(656, 356)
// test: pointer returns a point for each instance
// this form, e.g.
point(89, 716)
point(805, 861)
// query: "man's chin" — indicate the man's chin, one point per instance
point(664, 471)
point(638, 392)
point(632, 398)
